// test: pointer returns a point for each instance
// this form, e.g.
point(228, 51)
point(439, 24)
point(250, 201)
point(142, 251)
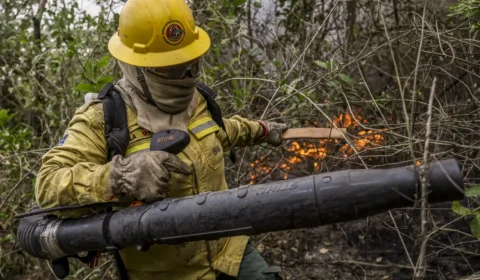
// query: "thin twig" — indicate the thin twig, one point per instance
point(22, 153)
point(417, 64)
point(400, 89)
point(96, 269)
point(376, 265)
point(106, 271)
point(421, 261)
point(9, 253)
point(18, 183)
point(401, 240)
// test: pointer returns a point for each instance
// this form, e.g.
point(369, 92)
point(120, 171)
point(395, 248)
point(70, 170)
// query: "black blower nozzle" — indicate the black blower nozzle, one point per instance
point(248, 210)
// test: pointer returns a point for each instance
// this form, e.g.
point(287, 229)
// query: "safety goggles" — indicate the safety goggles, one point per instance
point(177, 72)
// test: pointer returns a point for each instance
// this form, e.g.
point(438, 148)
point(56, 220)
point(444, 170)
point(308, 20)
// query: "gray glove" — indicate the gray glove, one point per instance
point(144, 176)
point(272, 133)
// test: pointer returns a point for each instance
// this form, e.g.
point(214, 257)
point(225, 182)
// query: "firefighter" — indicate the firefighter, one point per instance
point(158, 48)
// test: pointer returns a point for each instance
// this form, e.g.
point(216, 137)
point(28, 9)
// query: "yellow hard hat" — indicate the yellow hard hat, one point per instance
point(157, 33)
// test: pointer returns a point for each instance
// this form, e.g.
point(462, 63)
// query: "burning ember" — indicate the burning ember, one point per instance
point(307, 155)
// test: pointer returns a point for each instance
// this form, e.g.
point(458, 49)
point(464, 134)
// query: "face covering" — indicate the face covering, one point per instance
point(175, 100)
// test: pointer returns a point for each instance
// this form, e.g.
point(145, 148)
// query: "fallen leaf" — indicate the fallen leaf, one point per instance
point(327, 243)
point(308, 257)
point(260, 247)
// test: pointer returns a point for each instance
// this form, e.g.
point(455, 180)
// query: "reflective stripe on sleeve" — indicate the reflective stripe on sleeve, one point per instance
point(202, 127)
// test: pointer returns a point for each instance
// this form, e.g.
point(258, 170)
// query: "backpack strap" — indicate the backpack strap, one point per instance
point(212, 106)
point(117, 135)
point(116, 126)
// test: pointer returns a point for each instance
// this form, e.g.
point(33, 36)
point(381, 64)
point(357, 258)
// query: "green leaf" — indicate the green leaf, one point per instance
point(330, 64)
point(257, 5)
point(86, 88)
point(90, 70)
point(225, 41)
point(356, 30)
point(238, 2)
point(460, 210)
point(475, 226)
point(292, 85)
point(346, 79)
point(474, 190)
point(5, 117)
point(6, 238)
point(230, 19)
point(36, 59)
point(277, 63)
point(104, 80)
point(79, 271)
point(69, 53)
point(296, 81)
point(103, 61)
point(322, 64)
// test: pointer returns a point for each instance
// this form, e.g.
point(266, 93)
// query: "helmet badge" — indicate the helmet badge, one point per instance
point(173, 32)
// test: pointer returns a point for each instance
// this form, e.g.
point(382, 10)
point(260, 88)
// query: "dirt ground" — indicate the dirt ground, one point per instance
point(371, 248)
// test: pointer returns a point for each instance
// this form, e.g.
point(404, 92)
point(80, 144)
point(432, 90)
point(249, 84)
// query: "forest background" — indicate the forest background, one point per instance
point(377, 68)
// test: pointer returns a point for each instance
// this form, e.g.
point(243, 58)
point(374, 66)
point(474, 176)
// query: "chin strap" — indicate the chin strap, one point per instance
point(143, 84)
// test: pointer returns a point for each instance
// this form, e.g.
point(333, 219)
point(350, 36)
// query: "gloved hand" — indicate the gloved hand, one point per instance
point(144, 176)
point(272, 133)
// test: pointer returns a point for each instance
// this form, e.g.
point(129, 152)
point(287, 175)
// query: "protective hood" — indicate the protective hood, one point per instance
point(175, 100)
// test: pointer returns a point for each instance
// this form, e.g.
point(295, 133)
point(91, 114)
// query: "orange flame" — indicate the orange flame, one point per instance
point(301, 154)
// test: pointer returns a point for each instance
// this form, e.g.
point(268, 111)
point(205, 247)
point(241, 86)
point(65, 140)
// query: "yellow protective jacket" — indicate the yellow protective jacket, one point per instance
point(76, 171)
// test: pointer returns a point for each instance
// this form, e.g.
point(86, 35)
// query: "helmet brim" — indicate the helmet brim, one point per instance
point(159, 59)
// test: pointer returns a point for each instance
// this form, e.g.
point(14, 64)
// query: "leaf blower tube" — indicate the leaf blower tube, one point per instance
point(248, 210)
